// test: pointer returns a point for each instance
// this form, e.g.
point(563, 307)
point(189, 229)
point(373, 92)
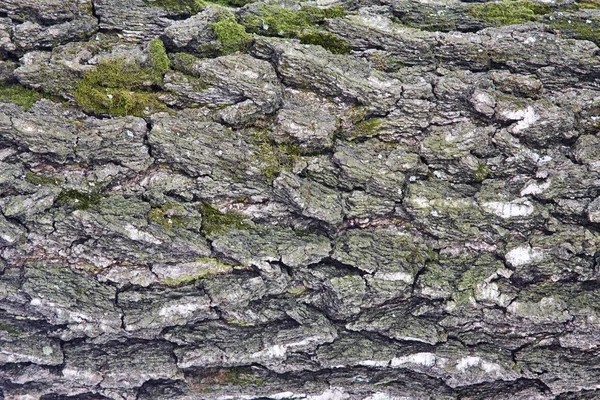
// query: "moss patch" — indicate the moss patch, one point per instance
point(273, 158)
point(8, 328)
point(158, 58)
point(78, 200)
point(119, 87)
point(18, 95)
point(279, 21)
point(231, 35)
point(168, 216)
point(577, 28)
point(509, 12)
point(41, 179)
point(239, 376)
point(590, 4)
point(232, 3)
point(367, 128)
point(189, 7)
point(482, 172)
point(328, 41)
point(215, 222)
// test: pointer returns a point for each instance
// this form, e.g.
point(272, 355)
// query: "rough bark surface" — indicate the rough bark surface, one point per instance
point(382, 199)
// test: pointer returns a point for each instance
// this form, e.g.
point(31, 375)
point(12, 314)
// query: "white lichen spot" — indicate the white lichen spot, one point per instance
point(35, 301)
point(183, 310)
point(286, 395)
point(251, 74)
point(509, 210)
point(535, 188)
point(395, 276)
point(277, 351)
point(420, 202)
point(135, 234)
point(330, 394)
point(523, 255)
point(374, 363)
point(467, 362)
point(529, 118)
point(424, 359)
point(381, 396)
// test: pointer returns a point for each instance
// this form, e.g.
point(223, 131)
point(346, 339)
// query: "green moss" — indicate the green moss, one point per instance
point(319, 14)
point(158, 58)
point(233, 321)
point(119, 87)
point(297, 291)
point(41, 179)
point(238, 376)
point(482, 172)
point(285, 22)
point(243, 377)
point(367, 128)
point(577, 29)
point(508, 12)
point(233, 36)
point(18, 95)
point(328, 41)
point(189, 7)
point(468, 283)
point(8, 328)
point(590, 4)
point(273, 158)
point(215, 222)
point(77, 199)
point(117, 102)
point(213, 267)
point(168, 215)
point(232, 3)
point(182, 61)
point(385, 63)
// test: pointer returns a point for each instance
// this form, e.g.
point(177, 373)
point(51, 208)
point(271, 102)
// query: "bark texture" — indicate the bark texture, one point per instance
point(376, 199)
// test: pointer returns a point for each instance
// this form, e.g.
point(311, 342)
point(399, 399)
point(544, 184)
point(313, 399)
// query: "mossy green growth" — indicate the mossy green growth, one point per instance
point(237, 376)
point(179, 61)
point(215, 222)
point(589, 4)
point(509, 12)
point(273, 158)
point(232, 3)
point(482, 172)
point(367, 128)
point(168, 216)
point(285, 22)
point(328, 41)
point(119, 87)
point(577, 29)
point(78, 200)
point(189, 7)
point(297, 290)
point(41, 179)
point(18, 95)
point(11, 330)
point(233, 36)
point(158, 58)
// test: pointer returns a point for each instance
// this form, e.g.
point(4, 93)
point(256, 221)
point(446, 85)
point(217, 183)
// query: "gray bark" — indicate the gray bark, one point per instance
point(417, 219)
